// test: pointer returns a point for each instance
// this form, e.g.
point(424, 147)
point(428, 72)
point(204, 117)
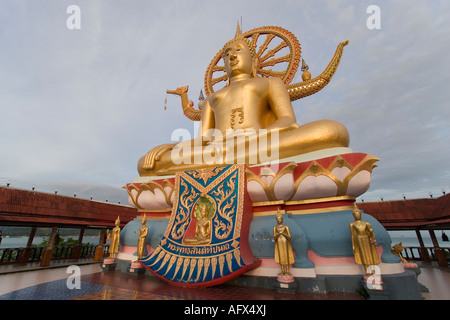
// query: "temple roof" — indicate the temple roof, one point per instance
point(31, 208)
point(427, 213)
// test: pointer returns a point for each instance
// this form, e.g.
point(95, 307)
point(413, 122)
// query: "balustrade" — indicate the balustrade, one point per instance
point(423, 253)
point(11, 255)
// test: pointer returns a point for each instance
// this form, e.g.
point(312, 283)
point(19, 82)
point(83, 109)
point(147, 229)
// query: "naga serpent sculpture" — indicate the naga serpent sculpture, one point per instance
point(267, 59)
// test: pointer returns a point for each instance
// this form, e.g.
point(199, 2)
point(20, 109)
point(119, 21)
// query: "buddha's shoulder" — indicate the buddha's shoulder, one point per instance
point(275, 81)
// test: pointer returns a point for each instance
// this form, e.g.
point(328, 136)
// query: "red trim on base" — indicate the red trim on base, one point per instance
point(150, 214)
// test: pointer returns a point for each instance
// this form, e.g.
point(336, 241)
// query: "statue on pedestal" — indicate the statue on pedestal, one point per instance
point(115, 240)
point(363, 241)
point(109, 263)
point(142, 238)
point(284, 255)
point(310, 172)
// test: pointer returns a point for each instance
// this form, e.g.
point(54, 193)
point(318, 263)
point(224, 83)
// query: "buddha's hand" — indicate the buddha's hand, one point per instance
point(155, 154)
point(283, 124)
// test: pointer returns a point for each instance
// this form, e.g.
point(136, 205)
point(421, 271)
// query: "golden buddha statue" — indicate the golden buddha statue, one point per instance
point(142, 238)
point(250, 107)
point(284, 254)
point(363, 241)
point(202, 229)
point(115, 239)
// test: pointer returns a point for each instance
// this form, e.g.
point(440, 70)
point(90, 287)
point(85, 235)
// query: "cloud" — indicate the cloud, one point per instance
point(82, 106)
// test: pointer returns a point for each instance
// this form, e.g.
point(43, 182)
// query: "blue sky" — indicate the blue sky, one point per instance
point(80, 107)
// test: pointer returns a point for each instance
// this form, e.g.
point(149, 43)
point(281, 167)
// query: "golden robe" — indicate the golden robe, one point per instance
point(284, 254)
point(362, 242)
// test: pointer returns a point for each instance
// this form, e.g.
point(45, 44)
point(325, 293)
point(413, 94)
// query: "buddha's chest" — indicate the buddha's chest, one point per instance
point(240, 106)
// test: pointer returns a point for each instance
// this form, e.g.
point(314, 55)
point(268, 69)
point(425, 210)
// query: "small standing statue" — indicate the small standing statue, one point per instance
point(115, 240)
point(142, 238)
point(284, 254)
point(364, 245)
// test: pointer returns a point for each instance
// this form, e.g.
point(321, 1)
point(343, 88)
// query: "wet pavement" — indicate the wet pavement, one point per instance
point(94, 284)
point(87, 281)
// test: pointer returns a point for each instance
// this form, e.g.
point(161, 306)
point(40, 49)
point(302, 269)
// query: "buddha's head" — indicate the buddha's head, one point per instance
point(239, 56)
point(356, 212)
point(204, 211)
point(279, 217)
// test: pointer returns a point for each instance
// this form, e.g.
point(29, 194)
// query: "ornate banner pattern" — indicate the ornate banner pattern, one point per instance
point(206, 240)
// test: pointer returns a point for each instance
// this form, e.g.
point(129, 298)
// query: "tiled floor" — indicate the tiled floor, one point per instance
point(98, 285)
point(53, 290)
point(12, 281)
point(144, 287)
point(52, 284)
point(437, 280)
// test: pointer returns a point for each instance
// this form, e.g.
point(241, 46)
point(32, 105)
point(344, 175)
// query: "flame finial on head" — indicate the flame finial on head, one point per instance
point(239, 36)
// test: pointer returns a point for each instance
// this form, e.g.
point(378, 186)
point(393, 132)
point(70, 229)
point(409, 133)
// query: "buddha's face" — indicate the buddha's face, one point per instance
point(237, 59)
point(204, 211)
point(279, 219)
point(357, 214)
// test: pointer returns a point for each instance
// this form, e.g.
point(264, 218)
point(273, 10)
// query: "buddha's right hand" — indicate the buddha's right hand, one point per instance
point(155, 155)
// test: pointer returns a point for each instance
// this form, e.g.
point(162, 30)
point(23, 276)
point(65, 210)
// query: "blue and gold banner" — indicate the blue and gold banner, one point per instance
point(206, 240)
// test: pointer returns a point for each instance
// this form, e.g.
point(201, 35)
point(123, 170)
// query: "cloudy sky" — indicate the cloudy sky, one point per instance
point(79, 107)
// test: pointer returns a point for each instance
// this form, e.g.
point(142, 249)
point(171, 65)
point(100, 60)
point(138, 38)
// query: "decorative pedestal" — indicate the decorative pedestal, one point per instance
point(283, 278)
point(315, 194)
point(415, 268)
point(373, 282)
point(296, 179)
point(286, 283)
point(410, 265)
point(136, 268)
point(109, 264)
point(375, 294)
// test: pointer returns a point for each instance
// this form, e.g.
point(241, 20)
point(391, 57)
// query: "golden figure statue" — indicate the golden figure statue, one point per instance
point(363, 241)
point(202, 229)
point(284, 254)
point(254, 100)
point(115, 239)
point(142, 238)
